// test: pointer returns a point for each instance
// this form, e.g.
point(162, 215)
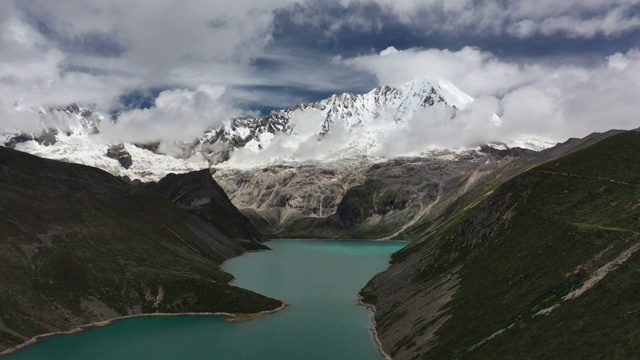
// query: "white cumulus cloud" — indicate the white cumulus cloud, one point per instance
point(176, 115)
point(553, 100)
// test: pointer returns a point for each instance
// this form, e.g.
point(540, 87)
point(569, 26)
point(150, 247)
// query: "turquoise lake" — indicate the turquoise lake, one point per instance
point(320, 279)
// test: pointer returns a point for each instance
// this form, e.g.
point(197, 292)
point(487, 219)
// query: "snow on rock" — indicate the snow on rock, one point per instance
point(362, 121)
point(82, 149)
point(343, 128)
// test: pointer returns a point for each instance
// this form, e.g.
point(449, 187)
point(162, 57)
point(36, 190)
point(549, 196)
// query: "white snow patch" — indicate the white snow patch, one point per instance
point(82, 149)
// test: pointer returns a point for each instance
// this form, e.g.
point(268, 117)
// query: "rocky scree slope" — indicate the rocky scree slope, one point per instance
point(79, 245)
point(544, 267)
point(367, 201)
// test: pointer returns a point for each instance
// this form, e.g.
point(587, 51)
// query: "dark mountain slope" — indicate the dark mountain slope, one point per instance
point(544, 267)
point(199, 194)
point(79, 245)
point(476, 186)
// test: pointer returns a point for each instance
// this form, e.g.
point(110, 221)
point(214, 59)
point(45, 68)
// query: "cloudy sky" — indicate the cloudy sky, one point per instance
point(554, 68)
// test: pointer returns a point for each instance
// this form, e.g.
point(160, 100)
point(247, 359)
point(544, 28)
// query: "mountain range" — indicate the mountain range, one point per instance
point(368, 115)
point(294, 167)
point(342, 127)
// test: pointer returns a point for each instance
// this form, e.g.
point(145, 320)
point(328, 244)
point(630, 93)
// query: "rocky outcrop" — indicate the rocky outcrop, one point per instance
point(46, 138)
point(120, 153)
point(17, 139)
point(199, 194)
point(86, 118)
point(514, 152)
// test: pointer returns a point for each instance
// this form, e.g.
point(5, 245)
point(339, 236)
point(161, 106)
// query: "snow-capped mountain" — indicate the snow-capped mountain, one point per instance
point(379, 109)
point(343, 126)
point(72, 134)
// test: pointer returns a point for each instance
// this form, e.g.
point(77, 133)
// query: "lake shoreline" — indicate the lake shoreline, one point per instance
point(373, 329)
point(364, 258)
point(231, 317)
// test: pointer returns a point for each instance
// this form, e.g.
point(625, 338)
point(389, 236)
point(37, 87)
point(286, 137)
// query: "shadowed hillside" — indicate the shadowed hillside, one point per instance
point(544, 267)
point(199, 194)
point(79, 245)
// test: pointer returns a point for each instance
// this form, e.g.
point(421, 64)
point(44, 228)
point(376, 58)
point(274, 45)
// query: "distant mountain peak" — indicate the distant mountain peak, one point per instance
point(382, 106)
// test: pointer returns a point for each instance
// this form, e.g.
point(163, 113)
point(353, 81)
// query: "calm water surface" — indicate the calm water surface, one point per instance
point(320, 280)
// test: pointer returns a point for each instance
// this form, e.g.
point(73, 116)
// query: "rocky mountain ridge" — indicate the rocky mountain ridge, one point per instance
point(200, 195)
point(402, 198)
point(384, 106)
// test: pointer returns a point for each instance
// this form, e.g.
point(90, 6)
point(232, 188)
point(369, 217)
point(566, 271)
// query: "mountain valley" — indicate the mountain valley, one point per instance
point(509, 244)
point(319, 180)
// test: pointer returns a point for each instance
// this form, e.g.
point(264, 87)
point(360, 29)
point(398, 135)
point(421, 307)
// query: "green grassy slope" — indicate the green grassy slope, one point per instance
point(78, 245)
point(536, 239)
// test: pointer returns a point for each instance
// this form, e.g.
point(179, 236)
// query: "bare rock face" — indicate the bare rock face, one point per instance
point(400, 198)
point(17, 139)
point(359, 200)
point(47, 138)
point(121, 154)
point(86, 118)
point(516, 151)
point(285, 191)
